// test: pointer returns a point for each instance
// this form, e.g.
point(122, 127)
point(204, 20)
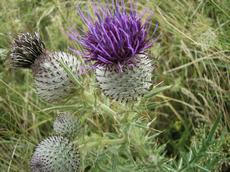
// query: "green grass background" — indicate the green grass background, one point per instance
point(182, 125)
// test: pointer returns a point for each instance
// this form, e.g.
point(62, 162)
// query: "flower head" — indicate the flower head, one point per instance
point(52, 82)
point(67, 125)
point(115, 37)
point(55, 153)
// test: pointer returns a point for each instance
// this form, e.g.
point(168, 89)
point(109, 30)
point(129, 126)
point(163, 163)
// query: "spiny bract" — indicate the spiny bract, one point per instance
point(116, 44)
point(129, 84)
point(25, 49)
point(55, 154)
point(52, 82)
point(67, 125)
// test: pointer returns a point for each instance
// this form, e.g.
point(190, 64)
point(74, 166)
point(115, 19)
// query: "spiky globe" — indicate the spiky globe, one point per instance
point(52, 82)
point(67, 125)
point(127, 85)
point(55, 154)
point(116, 43)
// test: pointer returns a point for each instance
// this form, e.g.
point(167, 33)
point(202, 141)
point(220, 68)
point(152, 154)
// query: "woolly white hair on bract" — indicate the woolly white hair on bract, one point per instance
point(52, 82)
point(128, 85)
point(55, 154)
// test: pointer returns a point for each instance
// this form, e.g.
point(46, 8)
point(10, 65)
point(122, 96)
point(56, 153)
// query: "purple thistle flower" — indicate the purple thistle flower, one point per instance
point(115, 37)
point(116, 42)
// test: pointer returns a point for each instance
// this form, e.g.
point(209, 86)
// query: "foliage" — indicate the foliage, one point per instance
point(180, 125)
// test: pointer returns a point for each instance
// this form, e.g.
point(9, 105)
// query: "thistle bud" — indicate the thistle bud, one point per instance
point(51, 80)
point(116, 42)
point(55, 154)
point(67, 125)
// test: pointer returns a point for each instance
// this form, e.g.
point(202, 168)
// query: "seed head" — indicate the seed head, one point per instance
point(55, 154)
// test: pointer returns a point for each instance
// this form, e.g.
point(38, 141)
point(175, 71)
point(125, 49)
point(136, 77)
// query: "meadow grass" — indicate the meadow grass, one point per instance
point(181, 125)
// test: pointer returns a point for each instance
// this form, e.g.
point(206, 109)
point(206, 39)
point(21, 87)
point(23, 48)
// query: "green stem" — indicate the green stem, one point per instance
point(100, 105)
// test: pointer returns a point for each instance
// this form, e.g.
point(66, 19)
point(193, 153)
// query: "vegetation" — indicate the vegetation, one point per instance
point(181, 125)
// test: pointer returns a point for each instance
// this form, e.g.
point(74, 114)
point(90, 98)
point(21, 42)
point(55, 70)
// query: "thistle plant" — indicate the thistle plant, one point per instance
point(55, 154)
point(67, 125)
point(116, 43)
point(51, 80)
